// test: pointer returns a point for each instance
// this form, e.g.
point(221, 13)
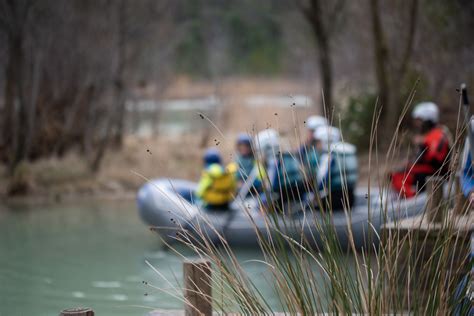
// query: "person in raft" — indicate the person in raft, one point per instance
point(307, 152)
point(245, 167)
point(337, 174)
point(433, 145)
point(467, 174)
point(245, 159)
point(281, 169)
point(216, 188)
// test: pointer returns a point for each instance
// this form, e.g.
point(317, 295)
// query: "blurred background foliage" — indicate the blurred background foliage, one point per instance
point(69, 70)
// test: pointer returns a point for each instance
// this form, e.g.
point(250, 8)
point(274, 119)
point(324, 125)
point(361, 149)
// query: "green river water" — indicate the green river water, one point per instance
point(92, 254)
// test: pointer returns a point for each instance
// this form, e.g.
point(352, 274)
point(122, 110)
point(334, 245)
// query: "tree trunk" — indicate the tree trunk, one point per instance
point(32, 103)
point(119, 115)
point(80, 100)
point(120, 76)
point(89, 122)
point(392, 114)
point(19, 112)
point(390, 80)
point(315, 16)
point(325, 68)
point(381, 64)
point(102, 146)
point(12, 77)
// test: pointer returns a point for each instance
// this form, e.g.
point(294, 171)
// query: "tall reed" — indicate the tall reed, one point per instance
point(316, 274)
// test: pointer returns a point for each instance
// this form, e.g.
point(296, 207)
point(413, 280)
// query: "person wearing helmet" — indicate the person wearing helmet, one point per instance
point(324, 136)
point(245, 160)
point(338, 169)
point(216, 188)
point(433, 146)
point(245, 166)
point(307, 152)
point(281, 169)
point(312, 124)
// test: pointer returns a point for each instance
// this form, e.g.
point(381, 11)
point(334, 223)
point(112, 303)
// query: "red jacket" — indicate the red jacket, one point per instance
point(433, 155)
point(435, 150)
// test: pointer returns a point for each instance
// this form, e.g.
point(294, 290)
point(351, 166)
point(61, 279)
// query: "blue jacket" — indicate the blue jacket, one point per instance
point(339, 168)
point(467, 179)
point(309, 157)
point(245, 165)
point(285, 173)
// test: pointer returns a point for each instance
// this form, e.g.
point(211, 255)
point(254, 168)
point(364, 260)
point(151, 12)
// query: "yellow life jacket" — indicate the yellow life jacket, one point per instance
point(219, 185)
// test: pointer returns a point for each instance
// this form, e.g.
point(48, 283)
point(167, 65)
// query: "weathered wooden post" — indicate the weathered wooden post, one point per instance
point(77, 312)
point(197, 287)
point(434, 210)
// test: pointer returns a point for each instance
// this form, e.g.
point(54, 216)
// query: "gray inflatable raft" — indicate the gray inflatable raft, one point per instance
point(167, 205)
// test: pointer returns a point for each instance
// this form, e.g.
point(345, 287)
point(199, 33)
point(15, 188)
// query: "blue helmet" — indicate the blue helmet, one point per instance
point(244, 139)
point(212, 155)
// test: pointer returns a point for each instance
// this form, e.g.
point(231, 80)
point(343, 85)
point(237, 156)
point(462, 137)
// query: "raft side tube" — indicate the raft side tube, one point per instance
point(165, 210)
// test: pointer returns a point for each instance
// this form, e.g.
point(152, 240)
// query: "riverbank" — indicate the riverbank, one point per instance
point(123, 172)
point(245, 104)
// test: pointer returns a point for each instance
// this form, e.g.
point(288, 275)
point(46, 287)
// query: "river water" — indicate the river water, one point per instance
point(91, 254)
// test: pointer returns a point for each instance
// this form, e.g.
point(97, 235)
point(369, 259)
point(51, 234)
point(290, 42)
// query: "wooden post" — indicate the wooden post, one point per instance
point(434, 210)
point(77, 312)
point(197, 287)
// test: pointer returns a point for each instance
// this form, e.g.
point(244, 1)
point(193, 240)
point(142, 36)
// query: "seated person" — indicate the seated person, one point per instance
point(216, 188)
point(338, 169)
point(433, 147)
point(307, 153)
point(245, 159)
point(467, 174)
point(281, 170)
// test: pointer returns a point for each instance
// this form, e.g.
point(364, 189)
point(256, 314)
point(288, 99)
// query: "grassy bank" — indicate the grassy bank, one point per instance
point(70, 177)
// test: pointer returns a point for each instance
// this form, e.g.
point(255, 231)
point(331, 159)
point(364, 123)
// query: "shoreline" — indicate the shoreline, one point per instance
point(38, 199)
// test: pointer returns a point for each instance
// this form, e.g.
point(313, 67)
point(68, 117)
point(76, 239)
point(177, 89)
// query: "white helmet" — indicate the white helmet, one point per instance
point(268, 142)
point(426, 111)
point(327, 135)
point(315, 121)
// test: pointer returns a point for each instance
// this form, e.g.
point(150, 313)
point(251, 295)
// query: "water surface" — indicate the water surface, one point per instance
point(93, 254)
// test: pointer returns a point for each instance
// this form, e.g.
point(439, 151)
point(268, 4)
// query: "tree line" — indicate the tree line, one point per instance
point(68, 67)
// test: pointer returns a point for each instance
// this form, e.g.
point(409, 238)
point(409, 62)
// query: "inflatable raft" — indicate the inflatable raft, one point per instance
point(169, 206)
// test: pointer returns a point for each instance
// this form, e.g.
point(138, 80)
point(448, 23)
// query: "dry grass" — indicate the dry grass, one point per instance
point(393, 274)
point(62, 178)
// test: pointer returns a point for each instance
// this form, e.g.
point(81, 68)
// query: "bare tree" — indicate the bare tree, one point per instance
point(390, 68)
point(14, 19)
point(119, 82)
point(324, 19)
